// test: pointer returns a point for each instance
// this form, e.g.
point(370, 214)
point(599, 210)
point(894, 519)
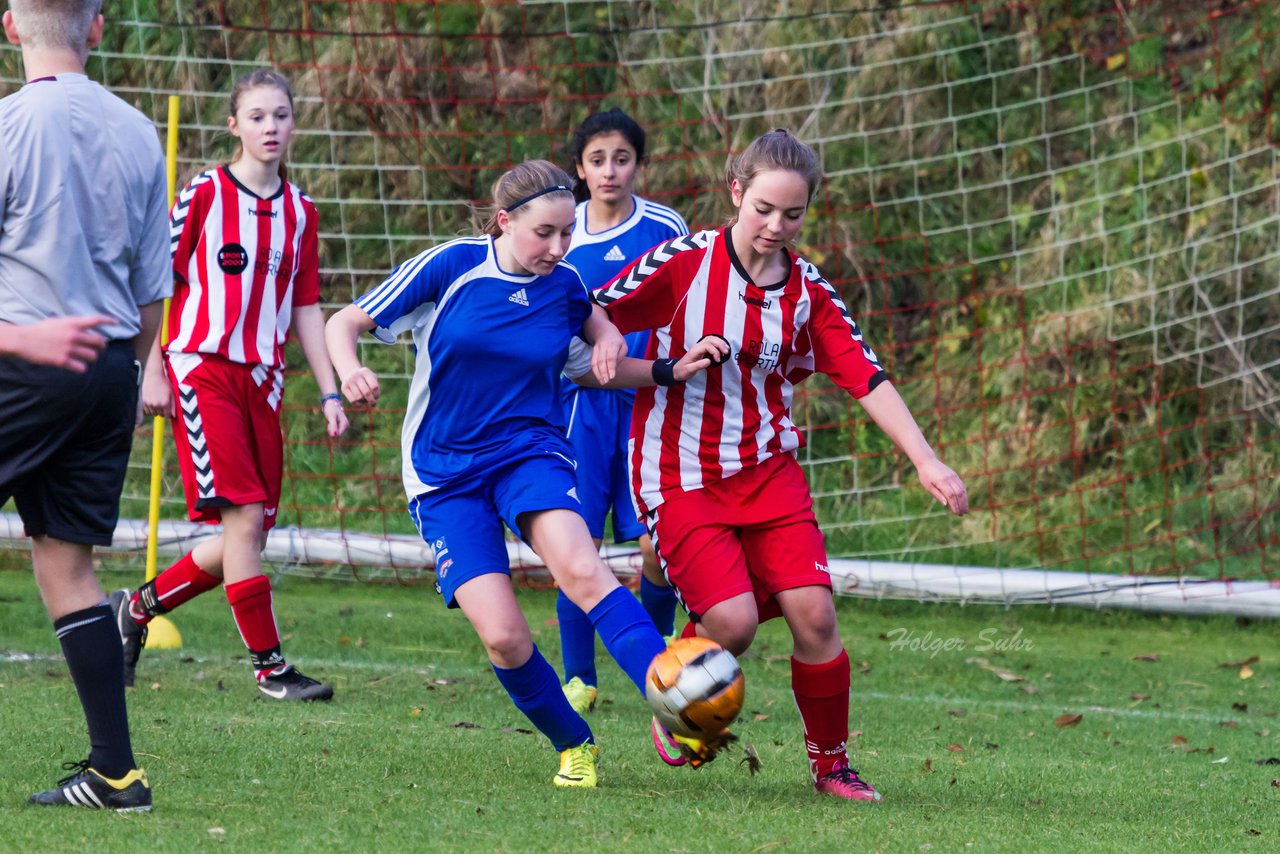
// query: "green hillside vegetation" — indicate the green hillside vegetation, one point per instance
point(1060, 236)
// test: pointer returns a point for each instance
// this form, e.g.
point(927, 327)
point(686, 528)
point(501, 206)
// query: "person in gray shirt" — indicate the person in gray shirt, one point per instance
point(84, 269)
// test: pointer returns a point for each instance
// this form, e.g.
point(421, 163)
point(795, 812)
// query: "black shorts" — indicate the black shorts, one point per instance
point(64, 444)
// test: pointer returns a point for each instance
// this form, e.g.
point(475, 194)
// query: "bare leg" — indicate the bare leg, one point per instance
point(64, 573)
point(731, 623)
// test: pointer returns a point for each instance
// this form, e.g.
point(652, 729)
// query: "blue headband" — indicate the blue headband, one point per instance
point(509, 208)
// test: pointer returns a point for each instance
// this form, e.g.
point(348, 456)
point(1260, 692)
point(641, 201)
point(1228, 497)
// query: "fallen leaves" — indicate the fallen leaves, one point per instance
point(1001, 673)
point(1147, 656)
point(1063, 721)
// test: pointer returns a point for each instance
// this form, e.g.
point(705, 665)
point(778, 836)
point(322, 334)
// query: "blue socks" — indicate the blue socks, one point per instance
point(628, 633)
point(577, 641)
point(535, 690)
point(660, 604)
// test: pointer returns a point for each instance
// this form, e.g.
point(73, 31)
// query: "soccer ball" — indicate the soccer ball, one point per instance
point(695, 687)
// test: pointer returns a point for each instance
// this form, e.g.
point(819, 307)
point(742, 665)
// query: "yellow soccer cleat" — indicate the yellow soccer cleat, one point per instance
point(578, 767)
point(581, 695)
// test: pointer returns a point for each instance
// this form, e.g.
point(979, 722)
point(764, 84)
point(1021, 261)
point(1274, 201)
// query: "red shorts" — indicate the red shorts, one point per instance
point(751, 532)
point(230, 449)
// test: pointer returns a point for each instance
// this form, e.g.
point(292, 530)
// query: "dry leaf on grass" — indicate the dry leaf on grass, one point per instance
point(1067, 720)
point(1004, 675)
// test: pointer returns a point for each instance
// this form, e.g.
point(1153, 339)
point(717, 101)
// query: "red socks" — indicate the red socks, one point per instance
point(180, 583)
point(251, 605)
point(822, 696)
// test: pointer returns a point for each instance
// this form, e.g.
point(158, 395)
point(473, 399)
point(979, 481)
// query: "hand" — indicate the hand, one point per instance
point(361, 388)
point(608, 350)
point(712, 350)
point(156, 396)
point(63, 342)
point(944, 485)
point(335, 418)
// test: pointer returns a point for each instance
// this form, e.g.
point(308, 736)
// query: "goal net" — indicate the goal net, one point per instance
point(1057, 222)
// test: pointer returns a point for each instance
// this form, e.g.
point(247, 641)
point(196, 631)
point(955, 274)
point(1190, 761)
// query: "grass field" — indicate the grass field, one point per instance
point(422, 751)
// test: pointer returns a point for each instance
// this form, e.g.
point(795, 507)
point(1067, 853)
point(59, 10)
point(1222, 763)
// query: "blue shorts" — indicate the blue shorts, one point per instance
point(599, 427)
point(463, 521)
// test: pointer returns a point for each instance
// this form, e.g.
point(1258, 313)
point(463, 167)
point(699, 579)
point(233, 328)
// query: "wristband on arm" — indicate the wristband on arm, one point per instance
point(664, 372)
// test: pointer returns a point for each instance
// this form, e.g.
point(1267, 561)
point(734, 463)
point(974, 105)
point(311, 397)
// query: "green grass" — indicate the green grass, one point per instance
point(963, 757)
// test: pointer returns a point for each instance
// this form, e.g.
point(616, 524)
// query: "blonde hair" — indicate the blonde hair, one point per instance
point(254, 80)
point(513, 189)
point(56, 24)
point(775, 150)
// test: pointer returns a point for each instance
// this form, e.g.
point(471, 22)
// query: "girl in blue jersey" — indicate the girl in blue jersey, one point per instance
point(613, 227)
point(493, 318)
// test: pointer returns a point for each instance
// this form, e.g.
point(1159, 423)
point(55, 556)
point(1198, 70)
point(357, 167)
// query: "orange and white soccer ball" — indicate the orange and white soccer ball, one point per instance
point(695, 687)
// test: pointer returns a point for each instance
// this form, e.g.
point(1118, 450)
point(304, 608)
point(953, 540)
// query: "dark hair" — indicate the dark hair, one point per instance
point(775, 150)
point(253, 80)
point(521, 181)
point(599, 124)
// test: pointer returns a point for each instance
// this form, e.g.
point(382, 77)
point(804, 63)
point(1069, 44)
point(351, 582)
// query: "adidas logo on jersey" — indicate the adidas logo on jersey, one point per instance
point(519, 298)
point(614, 254)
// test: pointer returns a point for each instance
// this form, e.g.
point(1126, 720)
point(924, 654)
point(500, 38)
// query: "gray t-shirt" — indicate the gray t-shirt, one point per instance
point(84, 220)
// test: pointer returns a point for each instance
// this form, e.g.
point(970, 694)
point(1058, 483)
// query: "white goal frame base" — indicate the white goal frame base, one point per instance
point(346, 555)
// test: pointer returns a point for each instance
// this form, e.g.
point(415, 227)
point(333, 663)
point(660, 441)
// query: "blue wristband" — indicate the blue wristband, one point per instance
point(325, 398)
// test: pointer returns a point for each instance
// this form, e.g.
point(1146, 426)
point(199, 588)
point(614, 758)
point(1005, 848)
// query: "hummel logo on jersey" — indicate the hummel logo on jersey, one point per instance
point(573, 493)
point(519, 298)
point(614, 254)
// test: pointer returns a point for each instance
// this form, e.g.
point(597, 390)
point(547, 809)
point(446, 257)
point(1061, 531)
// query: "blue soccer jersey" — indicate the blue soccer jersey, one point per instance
point(600, 256)
point(600, 419)
point(491, 347)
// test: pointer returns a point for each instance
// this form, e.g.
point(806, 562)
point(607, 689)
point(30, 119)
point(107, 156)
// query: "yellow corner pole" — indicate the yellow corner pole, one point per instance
point(161, 632)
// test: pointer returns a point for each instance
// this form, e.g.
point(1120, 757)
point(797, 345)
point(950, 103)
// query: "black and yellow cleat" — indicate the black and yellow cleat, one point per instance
point(88, 788)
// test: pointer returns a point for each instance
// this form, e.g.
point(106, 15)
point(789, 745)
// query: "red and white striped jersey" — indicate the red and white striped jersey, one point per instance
point(727, 419)
point(240, 265)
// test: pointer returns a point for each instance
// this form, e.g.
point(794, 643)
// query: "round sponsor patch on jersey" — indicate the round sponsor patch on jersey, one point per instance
point(233, 259)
